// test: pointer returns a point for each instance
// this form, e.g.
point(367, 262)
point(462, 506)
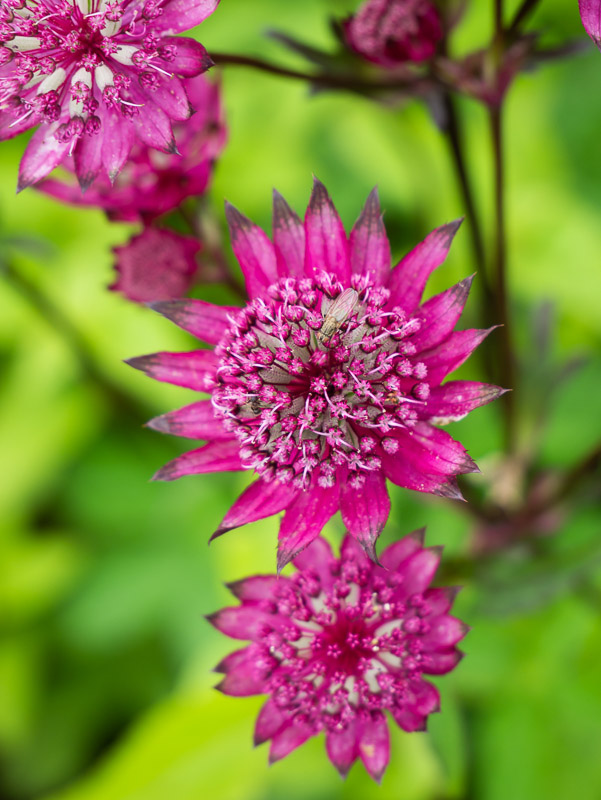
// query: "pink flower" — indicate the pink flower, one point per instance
point(590, 13)
point(156, 264)
point(338, 644)
point(329, 380)
point(152, 183)
point(96, 76)
point(392, 32)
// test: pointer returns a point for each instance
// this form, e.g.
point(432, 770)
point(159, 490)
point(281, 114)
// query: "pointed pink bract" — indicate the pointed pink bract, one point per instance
point(365, 509)
point(260, 500)
point(213, 457)
point(369, 245)
point(253, 250)
point(326, 243)
point(195, 421)
point(288, 238)
point(590, 13)
point(304, 521)
point(408, 279)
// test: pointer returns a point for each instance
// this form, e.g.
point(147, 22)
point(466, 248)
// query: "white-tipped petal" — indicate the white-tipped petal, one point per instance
point(125, 54)
point(82, 76)
point(103, 77)
point(53, 81)
point(111, 28)
point(21, 44)
point(34, 81)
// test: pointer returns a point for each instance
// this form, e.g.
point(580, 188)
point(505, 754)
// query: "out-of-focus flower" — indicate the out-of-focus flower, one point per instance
point(156, 264)
point(329, 380)
point(392, 32)
point(153, 183)
point(590, 13)
point(96, 76)
point(338, 644)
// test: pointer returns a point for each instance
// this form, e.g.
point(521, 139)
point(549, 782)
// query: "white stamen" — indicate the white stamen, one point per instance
point(158, 69)
point(16, 122)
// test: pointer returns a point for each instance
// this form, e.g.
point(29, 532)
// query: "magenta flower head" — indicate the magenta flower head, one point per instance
point(590, 13)
point(157, 264)
point(338, 644)
point(152, 183)
point(392, 32)
point(329, 380)
point(96, 76)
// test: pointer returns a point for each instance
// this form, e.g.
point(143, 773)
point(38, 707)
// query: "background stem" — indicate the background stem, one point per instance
point(521, 16)
point(455, 138)
point(506, 365)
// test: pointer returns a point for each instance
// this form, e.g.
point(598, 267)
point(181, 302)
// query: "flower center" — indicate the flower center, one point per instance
point(347, 648)
point(315, 377)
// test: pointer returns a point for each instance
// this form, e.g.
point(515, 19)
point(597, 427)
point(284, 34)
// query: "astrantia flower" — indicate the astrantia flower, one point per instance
point(338, 644)
point(392, 32)
point(96, 76)
point(156, 264)
point(152, 183)
point(328, 381)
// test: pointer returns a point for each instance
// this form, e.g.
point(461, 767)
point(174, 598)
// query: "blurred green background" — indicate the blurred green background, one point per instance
point(105, 684)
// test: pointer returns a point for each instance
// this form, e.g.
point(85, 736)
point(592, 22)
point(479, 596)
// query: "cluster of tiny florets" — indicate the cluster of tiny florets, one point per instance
point(346, 649)
point(314, 377)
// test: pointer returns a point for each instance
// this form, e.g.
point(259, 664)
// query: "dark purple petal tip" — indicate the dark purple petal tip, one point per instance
point(171, 309)
point(450, 490)
point(418, 535)
point(235, 219)
point(219, 532)
point(369, 545)
point(160, 424)
point(166, 473)
point(143, 363)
